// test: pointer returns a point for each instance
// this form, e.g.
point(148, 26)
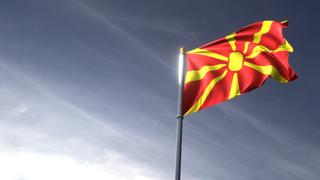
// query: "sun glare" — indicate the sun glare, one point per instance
point(35, 166)
point(180, 66)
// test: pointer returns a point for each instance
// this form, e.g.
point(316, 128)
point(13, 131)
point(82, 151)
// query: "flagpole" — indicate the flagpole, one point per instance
point(182, 66)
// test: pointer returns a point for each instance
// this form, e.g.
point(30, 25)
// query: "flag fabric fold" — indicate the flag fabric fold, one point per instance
point(236, 64)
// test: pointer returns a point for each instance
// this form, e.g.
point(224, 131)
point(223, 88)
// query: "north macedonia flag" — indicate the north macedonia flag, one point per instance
point(236, 64)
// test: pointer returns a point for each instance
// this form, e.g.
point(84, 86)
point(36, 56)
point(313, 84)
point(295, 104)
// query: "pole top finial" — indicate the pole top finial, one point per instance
point(182, 50)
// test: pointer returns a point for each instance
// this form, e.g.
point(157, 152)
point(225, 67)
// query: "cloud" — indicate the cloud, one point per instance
point(39, 166)
point(129, 37)
point(43, 136)
point(175, 27)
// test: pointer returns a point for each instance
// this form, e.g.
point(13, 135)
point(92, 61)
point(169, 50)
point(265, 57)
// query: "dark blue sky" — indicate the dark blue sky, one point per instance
point(88, 90)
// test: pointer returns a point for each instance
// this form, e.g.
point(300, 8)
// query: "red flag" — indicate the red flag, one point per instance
point(236, 64)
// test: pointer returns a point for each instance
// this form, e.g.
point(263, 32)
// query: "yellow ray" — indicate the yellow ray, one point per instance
point(235, 90)
point(232, 41)
point(206, 93)
point(200, 74)
point(265, 28)
point(267, 70)
point(286, 46)
point(205, 52)
point(246, 47)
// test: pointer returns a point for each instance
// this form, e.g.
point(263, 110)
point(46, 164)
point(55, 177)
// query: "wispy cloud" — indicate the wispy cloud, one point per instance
point(43, 133)
point(130, 38)
point(176, 27)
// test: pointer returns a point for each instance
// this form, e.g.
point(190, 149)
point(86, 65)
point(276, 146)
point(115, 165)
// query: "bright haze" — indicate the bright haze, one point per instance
point(88, 91)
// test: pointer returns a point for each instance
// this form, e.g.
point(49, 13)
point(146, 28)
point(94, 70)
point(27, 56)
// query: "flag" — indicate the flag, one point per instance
point(236, 64)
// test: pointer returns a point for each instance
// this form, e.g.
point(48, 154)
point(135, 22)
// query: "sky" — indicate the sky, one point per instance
point(88, 90)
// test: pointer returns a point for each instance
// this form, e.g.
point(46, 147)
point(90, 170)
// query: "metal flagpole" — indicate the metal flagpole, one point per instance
point(182, 67)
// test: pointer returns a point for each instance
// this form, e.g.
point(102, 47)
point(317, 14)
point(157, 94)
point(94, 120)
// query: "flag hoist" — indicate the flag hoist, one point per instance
point(229, 67)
